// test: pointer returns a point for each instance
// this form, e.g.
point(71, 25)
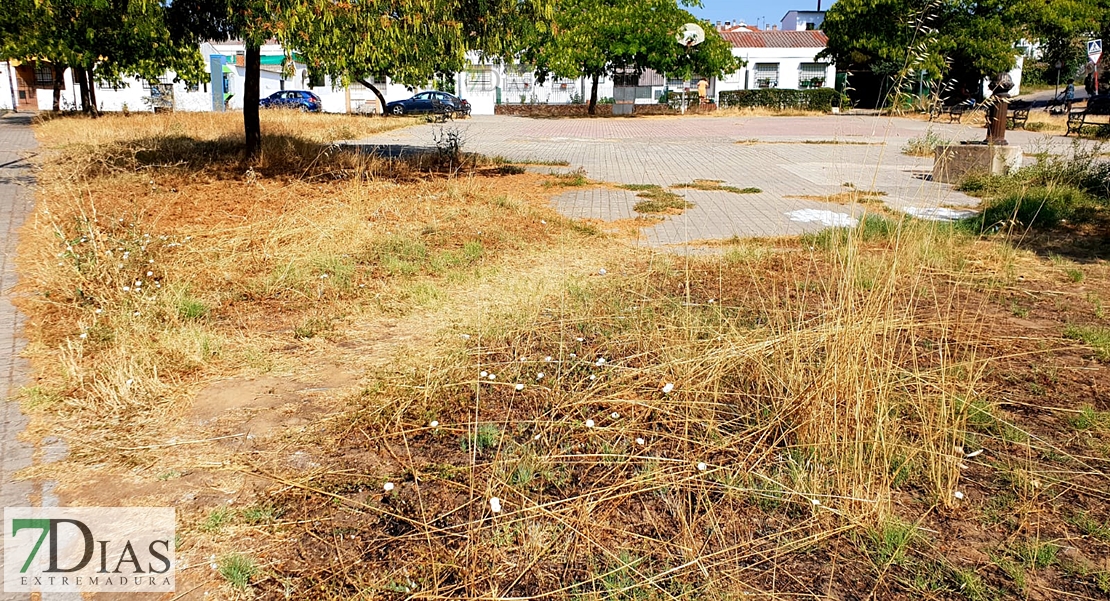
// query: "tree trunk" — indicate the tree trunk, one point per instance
point(82, 78)
point(376, 91)
point(593, 96)
point(92, 93)
point(59, 81)
point(251, 126)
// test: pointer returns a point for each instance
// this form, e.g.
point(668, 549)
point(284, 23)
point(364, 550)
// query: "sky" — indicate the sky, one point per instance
point(755, 12)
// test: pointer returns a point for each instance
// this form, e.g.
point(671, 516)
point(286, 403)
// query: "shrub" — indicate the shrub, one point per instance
point(923, 146)
point(823, 99)
point(1037, 206)
point(674, 99)
point(871, 228)
point(1073, 187)
point(1081, 168)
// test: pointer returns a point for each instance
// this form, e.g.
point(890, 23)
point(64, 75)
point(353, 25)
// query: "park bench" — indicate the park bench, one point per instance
point(1097, 112)
point(956, 112)
point(1017, 114)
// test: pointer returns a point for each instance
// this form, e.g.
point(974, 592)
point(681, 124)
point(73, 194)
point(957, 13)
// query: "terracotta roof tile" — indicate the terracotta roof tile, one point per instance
point(776, 39)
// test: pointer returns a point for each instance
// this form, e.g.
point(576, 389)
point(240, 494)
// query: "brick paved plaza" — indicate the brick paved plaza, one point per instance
point(16, 199)
point(786, 157)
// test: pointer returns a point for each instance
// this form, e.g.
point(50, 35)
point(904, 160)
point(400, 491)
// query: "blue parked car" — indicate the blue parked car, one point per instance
point(293, 99)
point(440, 103)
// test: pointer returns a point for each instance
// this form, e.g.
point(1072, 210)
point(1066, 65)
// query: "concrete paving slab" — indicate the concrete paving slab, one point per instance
point(786, 157)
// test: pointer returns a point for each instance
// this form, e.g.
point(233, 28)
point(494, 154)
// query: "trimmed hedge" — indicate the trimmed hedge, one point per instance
point(822, 99)
point(555, 111)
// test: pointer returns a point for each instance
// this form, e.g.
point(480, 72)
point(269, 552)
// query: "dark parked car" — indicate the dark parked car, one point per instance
point(292, 99)
point(429, 102)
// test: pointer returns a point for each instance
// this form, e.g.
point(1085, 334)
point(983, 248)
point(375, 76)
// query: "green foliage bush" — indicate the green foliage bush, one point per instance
point(1074, 187)
point(673, 99)
point(823, 99)
point(1039, 206)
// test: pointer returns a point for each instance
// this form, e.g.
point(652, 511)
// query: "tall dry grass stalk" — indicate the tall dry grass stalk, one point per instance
point(677, 427)
point(293, 144)
point(156, 260)
point(806, 386)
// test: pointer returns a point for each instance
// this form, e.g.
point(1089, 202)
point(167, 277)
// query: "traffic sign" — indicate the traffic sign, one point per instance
point(1094, 50)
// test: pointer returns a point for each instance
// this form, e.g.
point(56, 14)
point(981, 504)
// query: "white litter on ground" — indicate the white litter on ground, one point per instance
point(829, 218)
point(939, 213)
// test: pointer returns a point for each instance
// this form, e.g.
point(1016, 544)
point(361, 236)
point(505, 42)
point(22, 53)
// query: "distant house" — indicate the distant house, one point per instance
point(731, 26)
point(778, 59)
point(803, 20)
point(30, 86)
point(775, 58)
point(486, 84)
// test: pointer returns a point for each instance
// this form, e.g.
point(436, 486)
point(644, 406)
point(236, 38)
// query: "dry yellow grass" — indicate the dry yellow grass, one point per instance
point(267, 346)
point(1041, 121)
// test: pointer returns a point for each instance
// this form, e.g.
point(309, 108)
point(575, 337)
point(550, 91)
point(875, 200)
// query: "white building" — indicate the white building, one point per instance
point(778, 59)
point(485, 85)
point(774, 59)
point(803, 20)
point(30, 86)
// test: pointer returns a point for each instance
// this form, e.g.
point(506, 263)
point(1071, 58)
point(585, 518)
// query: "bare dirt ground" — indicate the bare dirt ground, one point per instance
point(333, 371)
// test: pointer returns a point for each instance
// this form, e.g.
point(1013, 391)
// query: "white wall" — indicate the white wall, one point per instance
point(335, 99)
point(7, 77)
point(1015, 74)
point(133, 96)
point(483, 98)
point(788, 59)
point(797, 20)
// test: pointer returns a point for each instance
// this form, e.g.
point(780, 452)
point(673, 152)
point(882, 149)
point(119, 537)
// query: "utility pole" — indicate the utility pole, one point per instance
point(1059, 65)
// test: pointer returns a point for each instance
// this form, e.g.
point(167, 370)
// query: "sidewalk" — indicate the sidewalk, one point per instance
point(16, 201)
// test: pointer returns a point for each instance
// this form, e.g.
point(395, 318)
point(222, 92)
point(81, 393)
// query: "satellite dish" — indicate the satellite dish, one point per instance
point(691, 34)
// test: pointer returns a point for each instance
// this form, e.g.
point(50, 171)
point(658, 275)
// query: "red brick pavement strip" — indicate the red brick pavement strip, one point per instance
point(16, 201)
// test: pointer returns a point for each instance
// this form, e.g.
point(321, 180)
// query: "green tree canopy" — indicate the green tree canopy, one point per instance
point(102, 40)
point(593, 38)
point(1062, 28)
point(407, 40)
point(961, 40)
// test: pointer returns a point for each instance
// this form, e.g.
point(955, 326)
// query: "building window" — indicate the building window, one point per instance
point(163, 79)
point(811, 76)
point(519, 80)
point(811, 26)
point(115, 86)
point(480, 78)
point(766, 75)
point(626, 78)
point(44, 76)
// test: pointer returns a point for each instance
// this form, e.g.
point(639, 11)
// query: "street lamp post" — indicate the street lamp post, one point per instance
point(1059, 65)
